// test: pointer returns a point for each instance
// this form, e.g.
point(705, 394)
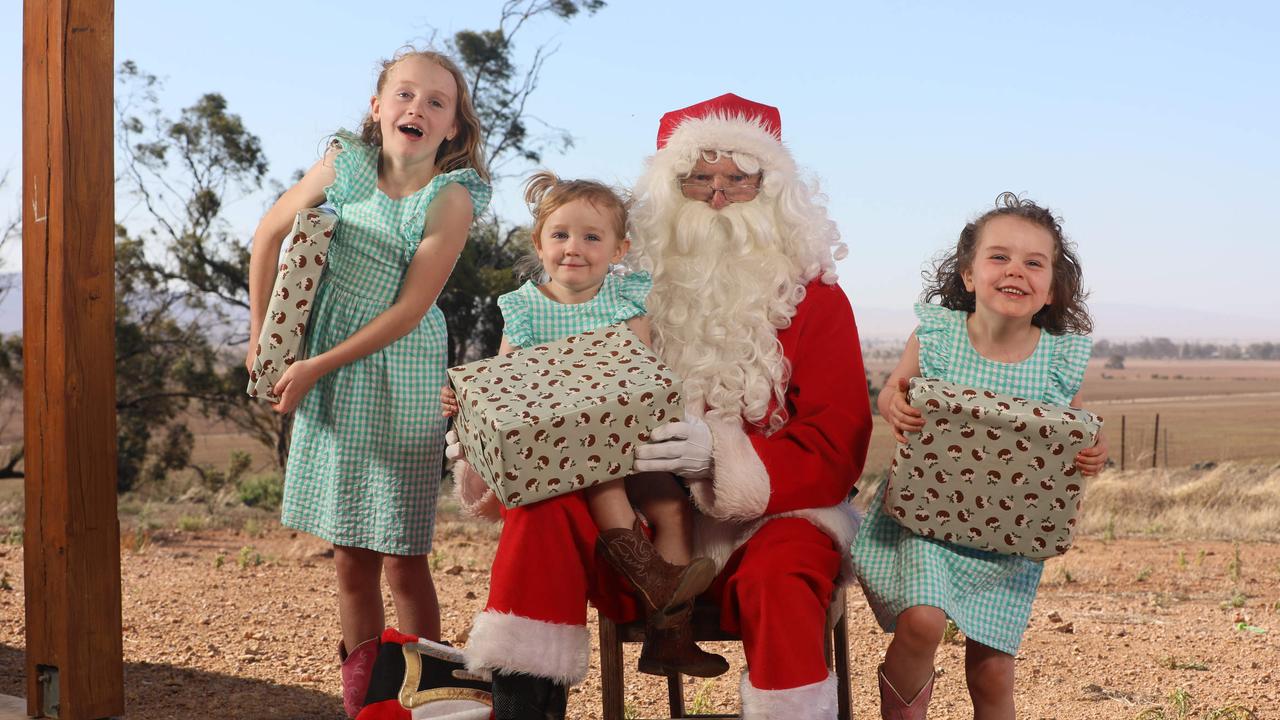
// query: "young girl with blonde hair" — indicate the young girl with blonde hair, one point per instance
point(366, 452)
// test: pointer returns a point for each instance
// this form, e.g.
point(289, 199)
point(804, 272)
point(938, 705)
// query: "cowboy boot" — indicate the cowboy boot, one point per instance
point(518, 696)
point(357, 669)
point(670, 650)
point(893, 707)
point(662, 587)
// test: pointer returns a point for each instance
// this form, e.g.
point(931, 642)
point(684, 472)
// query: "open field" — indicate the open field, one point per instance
point(1210, 410)
point(239, 623)
point(1169, 605)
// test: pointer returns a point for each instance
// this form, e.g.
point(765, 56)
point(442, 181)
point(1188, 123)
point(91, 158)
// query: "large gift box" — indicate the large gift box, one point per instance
point(990, 471)
point(562, 416)
point(281, 341)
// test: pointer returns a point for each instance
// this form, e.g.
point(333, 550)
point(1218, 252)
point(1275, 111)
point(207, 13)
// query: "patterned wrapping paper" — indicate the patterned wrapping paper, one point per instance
point(562, 416)
point(990, 471)
point(284, 330)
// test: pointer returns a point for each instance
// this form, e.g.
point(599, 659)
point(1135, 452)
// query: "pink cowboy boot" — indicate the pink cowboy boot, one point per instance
point(893, 707)
point(357, 667)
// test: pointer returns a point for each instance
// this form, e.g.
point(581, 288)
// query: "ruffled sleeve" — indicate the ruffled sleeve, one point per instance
point(415, 219)
point(937, 336)
point(630, 292)
point(517, 325)
point(355, 170)
point(1067, 366)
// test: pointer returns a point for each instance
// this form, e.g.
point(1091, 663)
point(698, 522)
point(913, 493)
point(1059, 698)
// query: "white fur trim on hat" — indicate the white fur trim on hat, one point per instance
point(807, 702)
point(733, 133)
point(514, 644)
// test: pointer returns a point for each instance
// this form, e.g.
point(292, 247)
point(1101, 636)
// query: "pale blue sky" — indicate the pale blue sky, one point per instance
point(1152, 127)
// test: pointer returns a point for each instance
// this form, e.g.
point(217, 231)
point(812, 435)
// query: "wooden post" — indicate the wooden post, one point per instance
point(1155, 442)
point(71, 543)
point(1121, 443)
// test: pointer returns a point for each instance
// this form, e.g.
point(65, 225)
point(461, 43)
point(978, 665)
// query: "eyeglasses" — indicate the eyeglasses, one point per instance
point(701, 191)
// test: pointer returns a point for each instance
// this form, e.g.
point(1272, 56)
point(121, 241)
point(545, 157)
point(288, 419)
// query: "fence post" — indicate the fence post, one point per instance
point(1155, 442)
point(1121, 443)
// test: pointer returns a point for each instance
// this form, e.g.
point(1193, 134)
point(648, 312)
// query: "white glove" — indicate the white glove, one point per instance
point(453, 448)
point(682, 448)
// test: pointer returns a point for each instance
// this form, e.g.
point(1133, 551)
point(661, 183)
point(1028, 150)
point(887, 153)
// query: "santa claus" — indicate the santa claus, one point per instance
point(745, 308)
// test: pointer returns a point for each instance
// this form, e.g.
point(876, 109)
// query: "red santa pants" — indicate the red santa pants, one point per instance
point(774, 592)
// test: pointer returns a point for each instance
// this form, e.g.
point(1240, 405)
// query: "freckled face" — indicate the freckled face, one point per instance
point(417, 107)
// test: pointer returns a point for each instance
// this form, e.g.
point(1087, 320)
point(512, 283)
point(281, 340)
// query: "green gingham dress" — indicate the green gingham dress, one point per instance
point(368, 439)
point(988, 595)
point(530, 318)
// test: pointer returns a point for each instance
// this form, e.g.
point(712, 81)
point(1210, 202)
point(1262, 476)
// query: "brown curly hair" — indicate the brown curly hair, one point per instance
point(1066, 313)
point(466, 149)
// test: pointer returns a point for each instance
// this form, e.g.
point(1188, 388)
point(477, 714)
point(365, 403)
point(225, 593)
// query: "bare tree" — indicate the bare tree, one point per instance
point(501, 89)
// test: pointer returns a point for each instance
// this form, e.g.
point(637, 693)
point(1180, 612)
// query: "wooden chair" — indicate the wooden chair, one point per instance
point(706, 628)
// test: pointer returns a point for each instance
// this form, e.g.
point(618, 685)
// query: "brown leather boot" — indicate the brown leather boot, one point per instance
point(670, 650)
point(662, 586)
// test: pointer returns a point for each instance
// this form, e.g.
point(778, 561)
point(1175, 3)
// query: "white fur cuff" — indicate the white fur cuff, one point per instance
point(474, 497)
point(807, 702)
point(515, 644)
point(739, 488)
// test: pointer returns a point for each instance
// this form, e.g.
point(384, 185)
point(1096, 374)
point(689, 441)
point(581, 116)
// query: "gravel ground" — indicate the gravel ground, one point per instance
point(233, 624)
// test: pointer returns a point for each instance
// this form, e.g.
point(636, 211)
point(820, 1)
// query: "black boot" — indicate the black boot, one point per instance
point(525, 697)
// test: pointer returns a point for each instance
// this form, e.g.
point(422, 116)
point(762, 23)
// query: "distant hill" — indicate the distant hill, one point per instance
point(1114, 322)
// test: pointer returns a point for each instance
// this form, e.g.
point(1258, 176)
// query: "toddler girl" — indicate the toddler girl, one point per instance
point(364, 463)
point(579, 231)
point(1012, 319)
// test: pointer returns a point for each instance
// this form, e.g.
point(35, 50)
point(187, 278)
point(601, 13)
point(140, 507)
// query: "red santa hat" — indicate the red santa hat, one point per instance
point(725, 123)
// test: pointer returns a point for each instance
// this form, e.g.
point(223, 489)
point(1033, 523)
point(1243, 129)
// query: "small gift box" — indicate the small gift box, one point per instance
point(562, 416)
point(285, 326)
point(990, 471)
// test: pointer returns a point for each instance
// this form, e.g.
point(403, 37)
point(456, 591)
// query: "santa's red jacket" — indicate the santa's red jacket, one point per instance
point(775, 517)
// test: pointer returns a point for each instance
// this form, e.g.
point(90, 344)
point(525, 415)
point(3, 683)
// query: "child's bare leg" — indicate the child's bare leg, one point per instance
point(609, 506)
point(414, 593)
point(908, 663)
point(359, 594)
point(989, 673)
point(669, 511)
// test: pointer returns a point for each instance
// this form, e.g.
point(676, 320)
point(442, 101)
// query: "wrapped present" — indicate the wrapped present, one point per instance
point(285, 326)
point(990, 471)
point(562, 416)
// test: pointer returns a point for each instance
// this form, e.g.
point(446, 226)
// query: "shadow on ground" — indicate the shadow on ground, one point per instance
point(194, 694)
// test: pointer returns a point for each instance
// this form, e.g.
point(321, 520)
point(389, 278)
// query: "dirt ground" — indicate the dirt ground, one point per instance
point(242, 624)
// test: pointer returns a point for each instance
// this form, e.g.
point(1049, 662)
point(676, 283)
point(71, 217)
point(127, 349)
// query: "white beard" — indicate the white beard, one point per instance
point(724, 286)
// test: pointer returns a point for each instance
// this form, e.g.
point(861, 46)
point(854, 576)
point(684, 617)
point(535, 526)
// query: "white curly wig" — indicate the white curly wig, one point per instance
point(725, 281)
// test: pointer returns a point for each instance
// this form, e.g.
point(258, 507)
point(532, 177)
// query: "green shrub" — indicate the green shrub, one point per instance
point(262, 491)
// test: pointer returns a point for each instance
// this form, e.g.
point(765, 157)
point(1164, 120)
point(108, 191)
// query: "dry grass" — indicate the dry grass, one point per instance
point(1233, 501)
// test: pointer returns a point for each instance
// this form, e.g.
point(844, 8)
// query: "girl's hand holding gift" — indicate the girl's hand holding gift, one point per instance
point(1092, 460)
point(294, 384)
point(448, 402)
point(901, 416)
